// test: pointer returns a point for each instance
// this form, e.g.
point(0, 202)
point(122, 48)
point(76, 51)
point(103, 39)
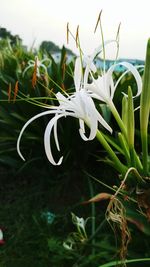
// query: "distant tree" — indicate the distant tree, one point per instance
point(5, 34)
point(51, 47)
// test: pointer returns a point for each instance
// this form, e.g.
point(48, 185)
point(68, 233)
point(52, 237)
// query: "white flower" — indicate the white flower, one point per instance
point(87, 63)
point(69, 244)
point(104, 87)
point(79, 222)
point(39, 64)
point(79, 105)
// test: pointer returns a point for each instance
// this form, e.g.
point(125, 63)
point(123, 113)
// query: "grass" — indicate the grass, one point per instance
point(31, 241)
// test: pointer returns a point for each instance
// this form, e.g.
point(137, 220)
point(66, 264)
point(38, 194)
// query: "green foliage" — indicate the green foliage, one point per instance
point(15, 110)
point(30, 240)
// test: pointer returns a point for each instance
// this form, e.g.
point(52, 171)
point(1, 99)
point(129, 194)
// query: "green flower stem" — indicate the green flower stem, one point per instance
point(130, 126)
point(144, 110)
point(118, 165)
point(118, 118)
point(124, 146)
point(138, 163)
point(125, 111)
point(122, 124)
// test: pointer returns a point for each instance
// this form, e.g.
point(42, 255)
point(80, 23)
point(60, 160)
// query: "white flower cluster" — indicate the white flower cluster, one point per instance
point(80, 104)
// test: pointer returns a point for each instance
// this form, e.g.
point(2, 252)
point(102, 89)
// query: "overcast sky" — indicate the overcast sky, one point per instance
point(38, 20)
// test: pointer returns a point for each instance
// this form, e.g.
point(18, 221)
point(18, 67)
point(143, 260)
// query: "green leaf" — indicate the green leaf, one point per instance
point(125, 111)
point(115, 263)
point(139, 220)
point(130, 126)
point(145, 109)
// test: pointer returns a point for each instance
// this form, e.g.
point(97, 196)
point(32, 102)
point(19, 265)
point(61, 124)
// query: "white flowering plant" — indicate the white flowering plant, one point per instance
point(94, 87)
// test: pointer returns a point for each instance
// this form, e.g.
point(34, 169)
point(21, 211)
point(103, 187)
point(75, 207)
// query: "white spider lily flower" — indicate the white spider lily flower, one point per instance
point(87, 63)
point(39, 63)
point(79, 105)
point(79, 222)
point(104, 87)
point(69, 244)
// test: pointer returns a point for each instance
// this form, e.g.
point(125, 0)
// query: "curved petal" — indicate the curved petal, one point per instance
point(92, 115)
point(43, 66)
point(52, 123)
point(31, 62)
point(46, 59)
point(82, 130)
point(26, 125)
point(55, 135)
point(93, 129)
point(130, 68)
point(47, 143)
point(26, 69)
point(90, 66)
point(99, 49)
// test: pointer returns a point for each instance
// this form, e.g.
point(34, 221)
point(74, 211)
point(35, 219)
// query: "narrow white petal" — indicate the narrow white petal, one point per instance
point(82, 130)
point(31, 62)
point(26, 125)
point(137, 77)
point(104, 124)
point(47, 143)
point(92, 115)
point(130, 68)
point(56, 136)
point(44, 67)
point(77, 73)
point(90, 66)
point(26, 69)
point(99, 49)
point(61, 98)
point(93, 128)
point(86, 74)
point(112, 88)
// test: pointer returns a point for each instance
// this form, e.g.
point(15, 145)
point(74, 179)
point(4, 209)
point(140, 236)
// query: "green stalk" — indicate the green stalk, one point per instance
point(130, 126)
point(144, 110)
point(125, 111)
point(119, 166)
point(118, 118)
point(124, 146)
point(138, 162)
